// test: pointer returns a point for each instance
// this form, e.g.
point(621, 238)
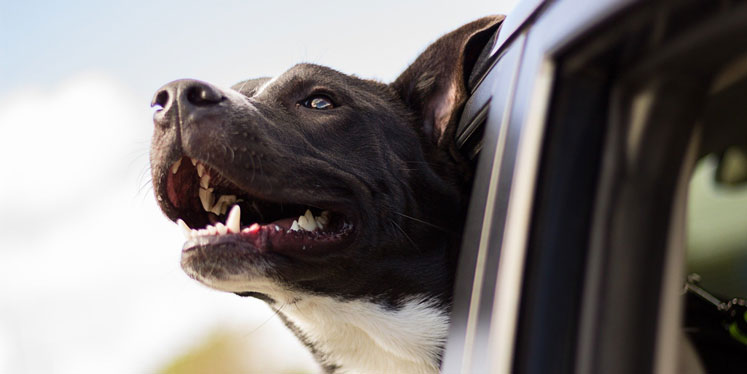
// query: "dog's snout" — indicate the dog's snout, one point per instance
point(184, 96)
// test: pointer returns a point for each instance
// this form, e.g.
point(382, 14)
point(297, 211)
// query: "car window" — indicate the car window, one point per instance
point(717, 222)
point(641, 179)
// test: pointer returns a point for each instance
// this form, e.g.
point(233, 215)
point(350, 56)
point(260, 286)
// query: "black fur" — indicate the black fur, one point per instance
point(384, 157)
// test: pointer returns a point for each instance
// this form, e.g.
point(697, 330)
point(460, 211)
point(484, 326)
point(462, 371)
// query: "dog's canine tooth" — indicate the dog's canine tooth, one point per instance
point(184, 228)
point(303, 224)
point(205, 181)
point(222, 229)
point(200, 170)
point(306, 221)
point(175, 166)
point(233, 222)
point(294, 226)
point(221, 206)
point(206, 198)
point(309, 216)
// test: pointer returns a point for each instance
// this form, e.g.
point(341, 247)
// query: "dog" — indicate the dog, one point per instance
point(337, 200)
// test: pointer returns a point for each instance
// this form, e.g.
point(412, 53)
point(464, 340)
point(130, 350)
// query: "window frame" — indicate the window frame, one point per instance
point(625, 275)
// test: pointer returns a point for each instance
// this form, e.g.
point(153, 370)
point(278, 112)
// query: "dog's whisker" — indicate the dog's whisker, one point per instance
point(228, 151)
point(254, 169)
point(274, 314)
point(145, 173)
point(140, 153)
point(146, 192)
point(242, 86)
point(259, 161)
point(213, 270)
point(405, 234)
point(292, 146)
point(423, 222)
point(145, 185)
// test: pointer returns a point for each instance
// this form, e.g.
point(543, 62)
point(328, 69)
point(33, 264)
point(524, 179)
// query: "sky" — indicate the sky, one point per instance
point(89, 267)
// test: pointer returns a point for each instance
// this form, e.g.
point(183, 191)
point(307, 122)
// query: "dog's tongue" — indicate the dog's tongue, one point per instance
point(273, 237)
point(179, 187)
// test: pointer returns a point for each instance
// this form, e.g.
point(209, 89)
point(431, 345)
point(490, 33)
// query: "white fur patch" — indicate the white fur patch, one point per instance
point(365, 337)
point(358, 336)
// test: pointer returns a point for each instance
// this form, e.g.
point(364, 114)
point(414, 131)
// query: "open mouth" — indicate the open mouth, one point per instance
point(212, 209)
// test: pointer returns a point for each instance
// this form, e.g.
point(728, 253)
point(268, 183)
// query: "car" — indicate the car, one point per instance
point(610, 146)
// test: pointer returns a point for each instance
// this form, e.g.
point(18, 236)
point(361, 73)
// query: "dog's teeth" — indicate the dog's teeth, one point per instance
point(233, 222)
point(175, 167)
point(320, 222)
point(200, 170)
point(194, 161)
point(185, 228)
point(301, 222)
point(304, 224)
point(221, 206)
point(205, 181)
point(203, 232)
point(307, 222)
point(211, 229)
point(323, 219)
point(222, 229)
point(206, 198)
point(309, 216)
point(294, 226)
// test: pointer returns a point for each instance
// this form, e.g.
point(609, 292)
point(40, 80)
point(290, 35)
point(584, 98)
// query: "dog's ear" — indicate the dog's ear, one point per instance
point(435, 85)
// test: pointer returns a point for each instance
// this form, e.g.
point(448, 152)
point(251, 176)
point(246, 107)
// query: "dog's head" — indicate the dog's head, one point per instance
point(319, 182)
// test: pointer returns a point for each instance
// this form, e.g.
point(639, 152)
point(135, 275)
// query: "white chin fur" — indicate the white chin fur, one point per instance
point(358, 336)
point(364, 337)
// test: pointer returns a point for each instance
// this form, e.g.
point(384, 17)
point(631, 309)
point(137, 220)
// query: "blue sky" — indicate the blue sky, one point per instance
point(149, 42)
point(88, 265)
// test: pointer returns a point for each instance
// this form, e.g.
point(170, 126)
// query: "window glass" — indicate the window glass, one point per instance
point(717, 222)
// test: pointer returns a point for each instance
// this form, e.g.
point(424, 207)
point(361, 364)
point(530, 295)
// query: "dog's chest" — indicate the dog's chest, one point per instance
point(365, 337)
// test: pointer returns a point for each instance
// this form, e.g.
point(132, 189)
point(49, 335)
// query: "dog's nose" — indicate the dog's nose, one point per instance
point(187, 95)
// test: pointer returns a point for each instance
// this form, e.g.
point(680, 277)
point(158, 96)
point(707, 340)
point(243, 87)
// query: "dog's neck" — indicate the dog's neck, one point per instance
point(354, 336)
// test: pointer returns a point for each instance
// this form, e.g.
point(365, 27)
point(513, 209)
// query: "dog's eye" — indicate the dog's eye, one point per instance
point(318, 102)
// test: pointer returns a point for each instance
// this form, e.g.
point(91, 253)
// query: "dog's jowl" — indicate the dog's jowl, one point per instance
point(339, 201)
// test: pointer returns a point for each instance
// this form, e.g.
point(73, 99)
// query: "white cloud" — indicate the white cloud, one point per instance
point(66, 137)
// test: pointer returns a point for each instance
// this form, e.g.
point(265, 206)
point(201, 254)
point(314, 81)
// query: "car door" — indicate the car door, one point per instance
point(594, 116)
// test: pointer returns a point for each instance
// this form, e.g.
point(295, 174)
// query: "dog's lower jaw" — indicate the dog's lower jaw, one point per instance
point(360, 336)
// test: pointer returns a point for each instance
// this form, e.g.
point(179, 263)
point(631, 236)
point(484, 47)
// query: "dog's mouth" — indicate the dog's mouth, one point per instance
point(211, 209)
